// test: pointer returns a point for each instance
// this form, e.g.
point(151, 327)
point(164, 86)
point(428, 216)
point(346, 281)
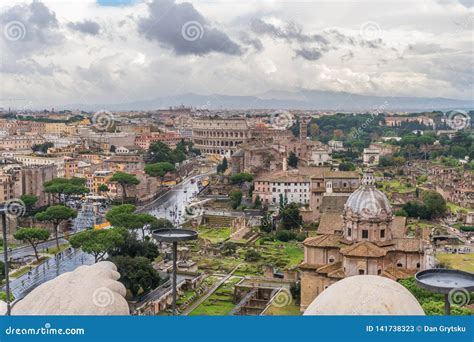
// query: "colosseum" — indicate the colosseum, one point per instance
point(220, 136)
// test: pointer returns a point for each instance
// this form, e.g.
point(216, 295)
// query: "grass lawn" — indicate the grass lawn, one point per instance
point(220, 303)
point(24, 269)
point(281, 254)
point(289, 310)
point(397, 186)
point(55, 250)
point(455, 208)
point(464, 262)
point(214, 235)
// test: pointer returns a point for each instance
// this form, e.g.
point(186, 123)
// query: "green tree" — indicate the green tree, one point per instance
point(235, 198)
point(124, 179)
point(33, 236)
point(241, 178)
point(124, 216)
point(435, 203)
point(257, 204)
point(103, 188)
point(285, 235)
point(136, 274)
point(63, 188)
point(30, 201)
point(160, 152)
point(266, 223)
point(290, 217)
point(222, 166)
point(97, 242)
point(401, 212)
point(346, 166)
point(292, 160)
point(133, 247)
point(56, 215)
point(159, 169)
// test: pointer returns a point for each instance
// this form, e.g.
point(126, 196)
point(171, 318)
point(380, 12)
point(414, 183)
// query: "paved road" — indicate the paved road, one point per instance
point(18, 253)
point(68, 261)
point(172, 204)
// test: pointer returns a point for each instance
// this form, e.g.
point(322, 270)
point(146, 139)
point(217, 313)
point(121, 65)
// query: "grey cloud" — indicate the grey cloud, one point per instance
point(291, 32)
point(27, 30)
point(347, 56)
point(426, 49)
point(251, 41)
point(466, 3)
point(338, 37)
point(86, 26)
point(309, 54)
point(182, 28)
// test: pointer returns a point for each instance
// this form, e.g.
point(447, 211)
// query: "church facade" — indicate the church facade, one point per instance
point(368, 240)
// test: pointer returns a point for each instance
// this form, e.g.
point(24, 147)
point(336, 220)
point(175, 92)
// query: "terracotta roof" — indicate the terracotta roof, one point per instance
point(306, 266)
point(291, 176)
point(405, 245)
point(341, 174)
point(313, 171)
point(395, 273)
point(364, 249)
point(328, 240)
point(330, 222)
point(326, 269)
point(339, 273)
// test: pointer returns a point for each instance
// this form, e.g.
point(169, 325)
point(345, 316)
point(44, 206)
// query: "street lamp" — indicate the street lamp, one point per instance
point(3, 214)
point(174, 235)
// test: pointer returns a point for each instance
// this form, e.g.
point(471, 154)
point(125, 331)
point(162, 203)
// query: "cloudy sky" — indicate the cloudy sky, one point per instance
point(114, 51)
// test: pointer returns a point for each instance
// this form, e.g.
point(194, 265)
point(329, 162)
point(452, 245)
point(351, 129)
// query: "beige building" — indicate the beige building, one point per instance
point(41, 161)
point(220, 136)
point(308, 186)
point(366, 239)
point(59, 128)
point(13, 143)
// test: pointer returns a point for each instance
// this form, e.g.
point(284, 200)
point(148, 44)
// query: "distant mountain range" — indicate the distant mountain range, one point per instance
point(302, 99)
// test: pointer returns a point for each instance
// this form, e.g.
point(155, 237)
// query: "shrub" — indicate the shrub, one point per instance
point(252, 255)
point(285, 235)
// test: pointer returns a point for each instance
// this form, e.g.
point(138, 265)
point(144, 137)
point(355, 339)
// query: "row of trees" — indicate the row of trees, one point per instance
point(132, 255)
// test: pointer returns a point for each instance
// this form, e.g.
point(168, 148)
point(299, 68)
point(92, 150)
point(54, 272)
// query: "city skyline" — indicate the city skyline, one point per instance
point(60, 53)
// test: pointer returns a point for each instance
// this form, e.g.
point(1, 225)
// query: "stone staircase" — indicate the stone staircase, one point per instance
point(217, 220)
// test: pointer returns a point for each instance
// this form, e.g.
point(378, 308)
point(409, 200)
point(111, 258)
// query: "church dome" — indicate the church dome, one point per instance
point(367, 201)
point(365, 295)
